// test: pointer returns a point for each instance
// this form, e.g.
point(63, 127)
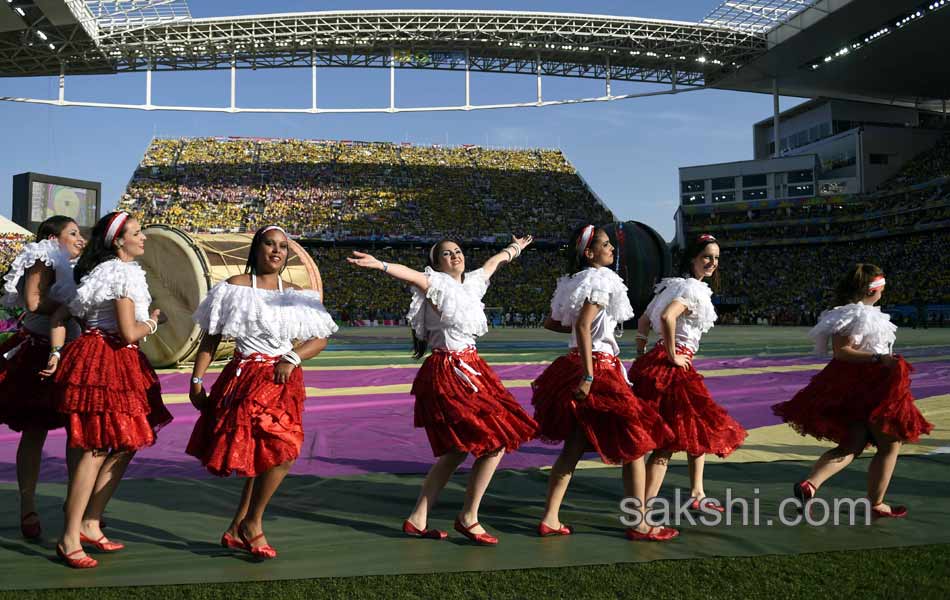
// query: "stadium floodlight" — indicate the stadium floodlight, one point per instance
point(20, 10)
point(41, 35)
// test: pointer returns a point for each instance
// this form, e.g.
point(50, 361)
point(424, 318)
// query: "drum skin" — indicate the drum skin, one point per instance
point(182, 267)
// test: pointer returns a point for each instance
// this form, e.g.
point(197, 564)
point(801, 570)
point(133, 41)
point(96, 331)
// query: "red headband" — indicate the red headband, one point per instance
point(706, 237)
point(585, 238)
point(115, 226)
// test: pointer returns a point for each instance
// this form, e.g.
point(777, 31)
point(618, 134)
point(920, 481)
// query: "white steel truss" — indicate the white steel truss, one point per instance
point(678, 54)
point(756, 16)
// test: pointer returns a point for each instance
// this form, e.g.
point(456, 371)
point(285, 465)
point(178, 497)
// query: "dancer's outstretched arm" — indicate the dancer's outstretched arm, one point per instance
point(508, 254)
point(394, 270)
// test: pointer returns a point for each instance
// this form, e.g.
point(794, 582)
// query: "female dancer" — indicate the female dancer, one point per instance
point(108, 391)
point(584, 398)
point(680, 313)
point(39, 281)
point(460, 401)
point(252, 422)
point(862, 397)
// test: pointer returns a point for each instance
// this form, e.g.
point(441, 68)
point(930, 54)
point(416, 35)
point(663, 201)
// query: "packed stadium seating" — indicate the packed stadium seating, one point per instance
point(356, 190)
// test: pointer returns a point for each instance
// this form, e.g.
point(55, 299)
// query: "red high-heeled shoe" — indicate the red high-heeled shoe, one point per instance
point(804, 491)
point(30, 531)
point(266, 551)
point(86, 562)
point(483, 539)
point(429, 534)
point(697, 505)
point(100, 545)
point(896, 512)
point(545, 531)
point(228, 541)
point(654, 534)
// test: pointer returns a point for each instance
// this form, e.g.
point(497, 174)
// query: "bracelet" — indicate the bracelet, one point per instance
point(385, 266)
point(588, 378)
point(640, 336)
point(55, 353)
point(505, 250)
point(516, 247)
point(152, 325)
point(55, 349)
point(292, 358)
point(198, 380)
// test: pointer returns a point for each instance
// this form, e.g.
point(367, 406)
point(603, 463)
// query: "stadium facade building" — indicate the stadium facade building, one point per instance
point(827, 148)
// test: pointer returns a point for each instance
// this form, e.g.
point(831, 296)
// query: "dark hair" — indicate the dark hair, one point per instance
point(693, 249)
point(251, 265)
point(577, 261)
point(53, 227)
point(96, 251)
point(419, 346)
point(854, 285)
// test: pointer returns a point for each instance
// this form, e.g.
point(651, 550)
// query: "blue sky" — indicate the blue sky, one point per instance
point(628, 151)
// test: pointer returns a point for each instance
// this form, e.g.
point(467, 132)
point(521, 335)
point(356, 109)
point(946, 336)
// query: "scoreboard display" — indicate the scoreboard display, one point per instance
point(37, 197)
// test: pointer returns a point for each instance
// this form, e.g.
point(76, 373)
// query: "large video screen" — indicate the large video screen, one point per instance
point(48, 199)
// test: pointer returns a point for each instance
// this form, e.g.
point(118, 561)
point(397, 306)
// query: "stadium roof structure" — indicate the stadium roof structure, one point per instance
point(740, 45)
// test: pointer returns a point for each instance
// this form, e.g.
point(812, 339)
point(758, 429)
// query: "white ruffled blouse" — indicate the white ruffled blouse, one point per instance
point(264, 321)
point(692, 324)
point(449, 315)
point(51, 254)
point(98, 290)
point(600, 286)
point(870, 329)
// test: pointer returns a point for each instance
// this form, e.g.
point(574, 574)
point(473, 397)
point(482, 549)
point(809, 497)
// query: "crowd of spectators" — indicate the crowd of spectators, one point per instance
point(340, 190)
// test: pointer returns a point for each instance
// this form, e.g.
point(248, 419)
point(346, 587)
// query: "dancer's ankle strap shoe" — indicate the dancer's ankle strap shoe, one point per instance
point(804, 491)
point(545, 531)
point(654, 534)
point(896, 512)
point(30, 531)
point(429, 534)
point(697, 505)
point(483, 539)
point(266, 551)
point(100, 545)
point(86, 562)
point(228, 541)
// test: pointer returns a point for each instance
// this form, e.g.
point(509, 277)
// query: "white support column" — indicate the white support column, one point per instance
point(233, 83)
point(537, 59)
point(313, 80)
point(775, 117)
point(62, 83)
point(392, 78)
point(944, 102)
point(608, 76)
point(148, 84)
point(468, 81)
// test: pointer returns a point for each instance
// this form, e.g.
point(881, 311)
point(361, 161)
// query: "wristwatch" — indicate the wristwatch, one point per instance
point(197, 380)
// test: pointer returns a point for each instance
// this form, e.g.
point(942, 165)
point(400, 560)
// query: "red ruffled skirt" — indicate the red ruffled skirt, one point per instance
point(251, 424)
point(110, 394)
point(844, 393)
point(619, 426)
point(463, 406)
point(27, 401)
point(700, 426)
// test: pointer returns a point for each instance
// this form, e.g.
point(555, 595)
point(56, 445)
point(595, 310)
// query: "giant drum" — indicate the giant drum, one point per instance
point(182, 267)
point(641, 258)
